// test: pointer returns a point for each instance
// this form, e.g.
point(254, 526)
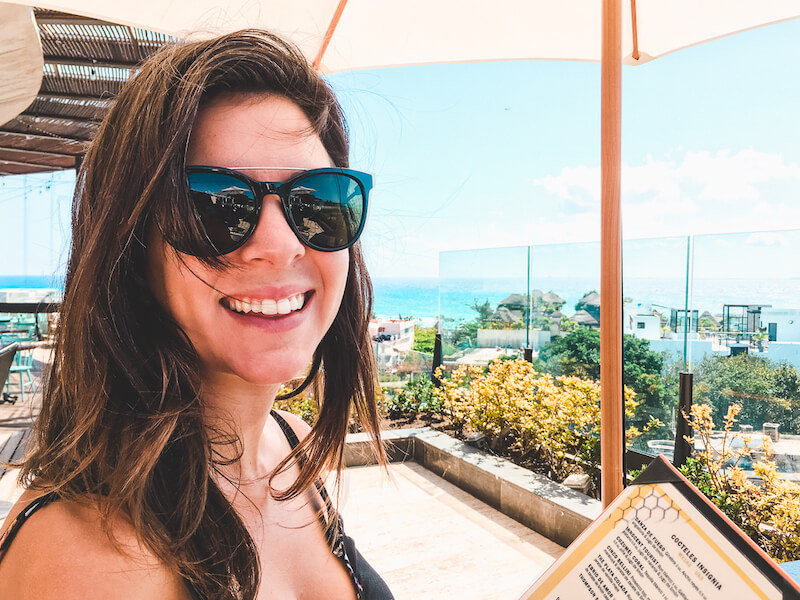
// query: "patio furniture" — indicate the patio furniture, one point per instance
point(7, 354)
point(23, 366)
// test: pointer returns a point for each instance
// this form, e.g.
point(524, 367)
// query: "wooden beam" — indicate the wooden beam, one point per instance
point(611, 395)
point(74, 20)
point(53, 117)
point(30, 307)
point(135, 43)
point(88, 62)
point(30, 164)
point(49, 138)
point(49, 96)
point(41, 153)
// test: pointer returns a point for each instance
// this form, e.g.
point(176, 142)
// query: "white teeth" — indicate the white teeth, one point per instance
point(284, 306)
point(268, 306)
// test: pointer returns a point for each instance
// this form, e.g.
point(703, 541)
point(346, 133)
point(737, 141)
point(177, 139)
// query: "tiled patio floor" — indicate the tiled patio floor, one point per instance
point(430, 539)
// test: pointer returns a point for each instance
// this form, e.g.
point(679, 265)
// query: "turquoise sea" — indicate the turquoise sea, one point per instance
point(426, 298)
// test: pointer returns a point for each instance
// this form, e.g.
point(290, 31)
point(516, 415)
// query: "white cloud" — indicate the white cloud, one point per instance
point(684, 193)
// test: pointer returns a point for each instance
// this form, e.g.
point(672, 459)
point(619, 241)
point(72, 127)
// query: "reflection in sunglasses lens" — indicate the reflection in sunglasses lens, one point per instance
point(226, 206)
point(324, 209)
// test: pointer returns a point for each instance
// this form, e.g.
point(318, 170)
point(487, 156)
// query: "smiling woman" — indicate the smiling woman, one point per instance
point(215, 257)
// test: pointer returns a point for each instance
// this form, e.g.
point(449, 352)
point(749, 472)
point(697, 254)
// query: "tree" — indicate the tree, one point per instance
point(578, 353)
point(768, 392)
point(424, 339)
point(466, 334)
point(484, 310)
point(581, 305)
point(706, 324)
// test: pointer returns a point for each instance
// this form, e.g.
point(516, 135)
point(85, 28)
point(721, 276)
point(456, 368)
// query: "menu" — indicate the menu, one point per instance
point(662, 539)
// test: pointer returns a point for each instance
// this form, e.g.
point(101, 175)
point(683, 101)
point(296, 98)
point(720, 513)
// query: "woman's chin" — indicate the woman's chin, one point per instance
point(271, 375)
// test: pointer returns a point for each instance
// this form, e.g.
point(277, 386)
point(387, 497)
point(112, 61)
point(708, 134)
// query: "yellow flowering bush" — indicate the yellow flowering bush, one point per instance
point(770, 512)
point(555, 419)
point(304, 405)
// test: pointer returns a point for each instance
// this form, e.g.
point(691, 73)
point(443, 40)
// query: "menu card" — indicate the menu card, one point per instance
point(662, 539)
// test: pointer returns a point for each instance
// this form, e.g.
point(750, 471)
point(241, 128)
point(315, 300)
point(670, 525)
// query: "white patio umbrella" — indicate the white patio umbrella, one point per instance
point(343, 35)
point(22, 62)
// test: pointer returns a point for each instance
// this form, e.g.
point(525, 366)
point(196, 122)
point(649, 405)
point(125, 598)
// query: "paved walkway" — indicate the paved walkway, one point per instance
point(430, 539)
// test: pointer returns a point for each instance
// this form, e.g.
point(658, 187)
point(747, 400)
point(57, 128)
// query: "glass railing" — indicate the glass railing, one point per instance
point(746, 290)
point(723, 307)
point(484, 307)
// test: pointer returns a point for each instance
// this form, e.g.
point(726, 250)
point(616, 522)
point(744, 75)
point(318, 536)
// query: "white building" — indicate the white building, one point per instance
point(391, 338)
point(641, 322)
point(781, 324)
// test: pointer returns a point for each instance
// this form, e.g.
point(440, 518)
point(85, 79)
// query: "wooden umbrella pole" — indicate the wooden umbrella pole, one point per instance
point(611, 446)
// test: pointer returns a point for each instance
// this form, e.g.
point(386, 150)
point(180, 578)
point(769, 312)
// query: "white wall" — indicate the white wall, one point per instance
point(652, 326)
point(784, 352)
point(788, 320)
point(515, 338)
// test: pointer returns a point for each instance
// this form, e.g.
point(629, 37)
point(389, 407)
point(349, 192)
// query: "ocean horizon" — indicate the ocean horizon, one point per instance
point(426, 298)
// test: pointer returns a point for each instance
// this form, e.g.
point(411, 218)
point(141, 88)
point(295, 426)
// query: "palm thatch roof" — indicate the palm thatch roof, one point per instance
point(514, 300)
point(86, 62)
point(584, 318)
point(552, 298)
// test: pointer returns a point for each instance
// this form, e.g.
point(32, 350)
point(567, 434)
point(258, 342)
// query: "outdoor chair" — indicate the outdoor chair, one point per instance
point(22, 365)
point(7, 354)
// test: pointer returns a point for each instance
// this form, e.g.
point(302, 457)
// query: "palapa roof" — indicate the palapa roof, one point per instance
point(86, 62)
point(514, 300)
point(505, 315)
point(584, 318)
point(592, 298)
point(552, 298)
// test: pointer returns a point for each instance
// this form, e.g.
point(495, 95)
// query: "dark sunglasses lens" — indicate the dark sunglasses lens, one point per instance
point(327, 209)
point(227, 209)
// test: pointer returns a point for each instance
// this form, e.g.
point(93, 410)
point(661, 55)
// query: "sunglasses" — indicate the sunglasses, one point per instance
point(325, 208)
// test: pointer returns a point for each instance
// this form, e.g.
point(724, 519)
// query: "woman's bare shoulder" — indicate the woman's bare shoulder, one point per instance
point(300, 427)
point(62, 552)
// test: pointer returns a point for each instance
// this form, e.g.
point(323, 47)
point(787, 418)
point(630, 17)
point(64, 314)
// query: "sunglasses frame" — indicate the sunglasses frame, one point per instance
point(282, 189)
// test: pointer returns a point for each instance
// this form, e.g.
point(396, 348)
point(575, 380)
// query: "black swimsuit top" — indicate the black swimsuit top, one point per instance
point(366, 581)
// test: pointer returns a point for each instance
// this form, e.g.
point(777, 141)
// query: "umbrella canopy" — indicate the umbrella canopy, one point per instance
point(21, 73)
point(357, 34)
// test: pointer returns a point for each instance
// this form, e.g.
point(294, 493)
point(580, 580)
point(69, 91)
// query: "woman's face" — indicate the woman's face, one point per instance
point(272, 268)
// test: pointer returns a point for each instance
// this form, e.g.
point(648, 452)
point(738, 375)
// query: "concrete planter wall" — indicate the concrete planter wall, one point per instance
point(545, 506)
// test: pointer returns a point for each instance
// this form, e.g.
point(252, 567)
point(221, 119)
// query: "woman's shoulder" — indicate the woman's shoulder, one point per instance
point(62, 551)
point(300, 427)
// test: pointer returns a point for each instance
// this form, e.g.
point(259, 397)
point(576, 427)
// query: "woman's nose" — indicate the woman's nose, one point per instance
point(273, 239)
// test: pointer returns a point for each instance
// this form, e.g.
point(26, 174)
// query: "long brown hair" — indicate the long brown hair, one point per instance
point(121, 421)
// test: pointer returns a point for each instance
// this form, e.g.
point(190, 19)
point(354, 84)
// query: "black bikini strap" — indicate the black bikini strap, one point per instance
point(294, 442)
point(12, 530)
point(291, 436)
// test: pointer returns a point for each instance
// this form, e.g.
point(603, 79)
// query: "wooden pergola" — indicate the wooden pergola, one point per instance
point(86, 62)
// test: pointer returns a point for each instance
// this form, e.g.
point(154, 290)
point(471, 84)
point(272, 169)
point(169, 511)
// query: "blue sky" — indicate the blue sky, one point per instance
point(503, 154)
